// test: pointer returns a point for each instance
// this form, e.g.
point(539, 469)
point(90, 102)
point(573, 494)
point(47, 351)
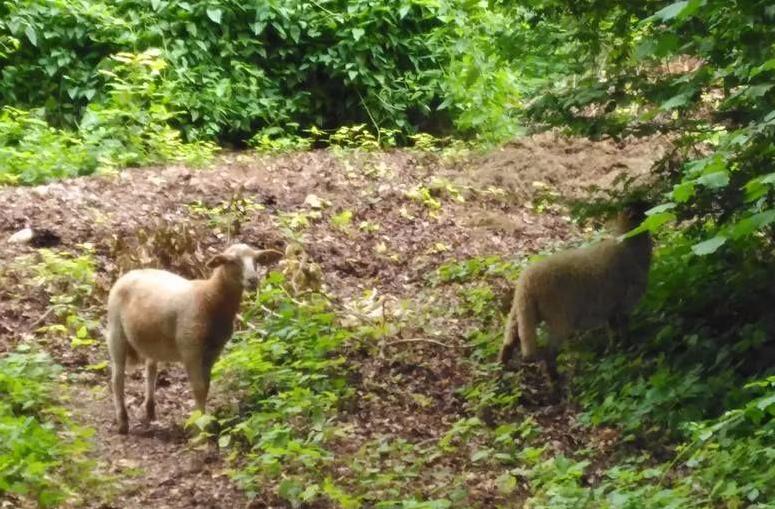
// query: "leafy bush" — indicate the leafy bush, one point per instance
point(683, 364)
point(292, 380)
point(128, 126)
point(43, 453)
point(726, 463)
point(31, 151)
point(698, 69)
point(235, 68)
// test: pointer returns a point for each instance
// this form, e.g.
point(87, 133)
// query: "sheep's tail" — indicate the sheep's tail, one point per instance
point(527, 323)
point(117, 341)
point(520, 327)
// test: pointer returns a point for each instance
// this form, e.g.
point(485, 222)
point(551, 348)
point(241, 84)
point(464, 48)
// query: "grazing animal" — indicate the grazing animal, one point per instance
point(159, 316)
point(579, 289)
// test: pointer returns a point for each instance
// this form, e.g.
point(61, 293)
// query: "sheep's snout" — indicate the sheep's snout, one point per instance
point(249, 274)
point(251, 283)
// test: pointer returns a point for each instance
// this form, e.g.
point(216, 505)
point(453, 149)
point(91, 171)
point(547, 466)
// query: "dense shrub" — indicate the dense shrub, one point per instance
point(42, 451)
point(233, 66)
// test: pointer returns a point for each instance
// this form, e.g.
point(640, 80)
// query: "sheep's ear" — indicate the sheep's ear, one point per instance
point(268, 256)
point(216, 261)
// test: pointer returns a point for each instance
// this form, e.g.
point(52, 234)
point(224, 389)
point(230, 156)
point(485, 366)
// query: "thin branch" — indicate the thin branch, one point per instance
point(425, 340)
point(40, 320)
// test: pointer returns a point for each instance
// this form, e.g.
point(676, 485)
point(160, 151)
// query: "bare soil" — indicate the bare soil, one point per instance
point(144, 217)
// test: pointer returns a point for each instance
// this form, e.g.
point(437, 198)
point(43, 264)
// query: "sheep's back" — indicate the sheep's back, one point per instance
point(578, 287)
point(150, 303)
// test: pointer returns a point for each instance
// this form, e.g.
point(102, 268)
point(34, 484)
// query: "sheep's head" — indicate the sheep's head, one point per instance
point(239, 263)
point(631, 215)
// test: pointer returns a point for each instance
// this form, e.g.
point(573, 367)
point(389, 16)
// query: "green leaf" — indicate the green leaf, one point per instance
point(507, 483)
point(715, 180)
point(671, 11)
point(31, 35)
point(676, 101)
point(655, 221)
point(358, 33)
point(481, 454)
point(766, 66)
point(215, 14)
point(752, 223)
point(683, 191)
point(660, 208)
point(709, 246)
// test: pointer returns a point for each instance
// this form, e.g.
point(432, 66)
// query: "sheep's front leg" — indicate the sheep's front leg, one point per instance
point(549, 358)
point(151, 372)
point(199, 382)
point(618, 324)
point(510, 338)
point(557, 335)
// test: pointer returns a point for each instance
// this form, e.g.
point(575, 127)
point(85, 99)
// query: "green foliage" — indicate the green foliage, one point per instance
point(474, 268)
point(129, 125)
point(685, 364)
point(293, 380)
point(701, 69)
point(235, 68)
point(43, 453)
point(275, 140)
point(727, 463)
point(69, 282)
point(31, 151)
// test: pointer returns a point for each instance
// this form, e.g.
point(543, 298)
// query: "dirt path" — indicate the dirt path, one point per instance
point(396, 237)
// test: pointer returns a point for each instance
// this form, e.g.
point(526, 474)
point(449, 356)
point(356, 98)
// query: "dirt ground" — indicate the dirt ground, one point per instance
point(140, 216)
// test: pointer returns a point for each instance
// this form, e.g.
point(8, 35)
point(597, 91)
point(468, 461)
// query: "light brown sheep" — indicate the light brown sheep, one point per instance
point(159, 316)
point(579, 289)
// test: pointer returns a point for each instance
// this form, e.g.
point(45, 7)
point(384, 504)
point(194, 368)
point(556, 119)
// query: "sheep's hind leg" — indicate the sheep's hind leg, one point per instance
point(118, 365)
point(151, 372)
point(548, 356)
point(510, 340)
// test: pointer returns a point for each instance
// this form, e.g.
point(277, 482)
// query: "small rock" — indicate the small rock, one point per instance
point(22, 236)
point(314, 201)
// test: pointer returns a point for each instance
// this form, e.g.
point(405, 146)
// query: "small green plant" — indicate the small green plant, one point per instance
point(474, 268)
point(274, 140)
point(227, 217)
point(43, 452)
point(422, 194)
point(32, 152)
point(342, 220)
point(358, 137)
point(292, 224)
point(69, 281)
point(292, 378)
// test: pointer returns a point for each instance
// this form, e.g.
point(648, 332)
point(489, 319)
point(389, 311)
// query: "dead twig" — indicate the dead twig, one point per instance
point(42, 318)
point(425, 340)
